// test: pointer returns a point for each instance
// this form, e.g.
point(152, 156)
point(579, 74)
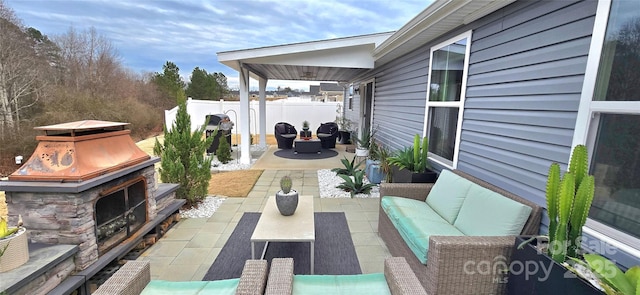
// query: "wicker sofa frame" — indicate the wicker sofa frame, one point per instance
point(398, 274)
point(452, 260)
point(134, 276)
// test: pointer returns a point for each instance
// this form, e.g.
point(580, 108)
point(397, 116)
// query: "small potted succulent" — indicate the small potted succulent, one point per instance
point(286, 198)
point(305, 133)
point(14, 250)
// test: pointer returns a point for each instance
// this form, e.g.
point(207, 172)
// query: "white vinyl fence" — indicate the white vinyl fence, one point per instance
point(283, 110)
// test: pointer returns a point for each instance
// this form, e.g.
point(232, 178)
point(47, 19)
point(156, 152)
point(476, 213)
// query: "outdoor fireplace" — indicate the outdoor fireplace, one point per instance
point(88, 184)
point(120, 212)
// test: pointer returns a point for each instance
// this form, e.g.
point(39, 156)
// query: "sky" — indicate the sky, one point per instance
point(147, 33)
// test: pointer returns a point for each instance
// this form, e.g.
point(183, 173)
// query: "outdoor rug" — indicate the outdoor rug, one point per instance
point(334, 250)
point(289, 154)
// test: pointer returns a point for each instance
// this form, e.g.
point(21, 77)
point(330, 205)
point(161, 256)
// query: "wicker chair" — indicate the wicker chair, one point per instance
point(285, 134)
point(398, 275)
point(327, 133)
point(445, 271)
point(134, 276)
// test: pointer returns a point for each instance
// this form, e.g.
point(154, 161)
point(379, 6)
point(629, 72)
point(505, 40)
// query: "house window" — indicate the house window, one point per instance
point(614, 127)
point(445, 98)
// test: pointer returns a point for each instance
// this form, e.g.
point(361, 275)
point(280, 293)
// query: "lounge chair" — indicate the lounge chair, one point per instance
point(285, 134)
point(327, 133)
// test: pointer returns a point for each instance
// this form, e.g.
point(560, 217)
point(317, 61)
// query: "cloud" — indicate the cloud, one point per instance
point(147, 33)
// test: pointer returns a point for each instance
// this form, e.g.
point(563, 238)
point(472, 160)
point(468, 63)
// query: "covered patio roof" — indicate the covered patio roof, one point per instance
point(346, 59)
point(338, 59)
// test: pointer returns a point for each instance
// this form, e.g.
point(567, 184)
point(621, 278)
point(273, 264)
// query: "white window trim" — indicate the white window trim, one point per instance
point(459, 104)
point(588, 119)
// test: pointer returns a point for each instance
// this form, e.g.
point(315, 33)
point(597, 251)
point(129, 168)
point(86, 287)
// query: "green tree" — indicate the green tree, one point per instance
point(183, 156)
point(169, 81)
point(224, 151)
point(207, 86)
point(202, 85)
point(223, 88)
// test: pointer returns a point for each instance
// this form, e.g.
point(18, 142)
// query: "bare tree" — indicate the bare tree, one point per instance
point(21, 72)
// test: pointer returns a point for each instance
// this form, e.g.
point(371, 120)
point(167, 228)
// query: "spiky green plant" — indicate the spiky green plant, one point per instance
point(355, 185)
point(349, 167)
point(568, 202)
point(413, 158)
point(285, 184)
point(420, 154)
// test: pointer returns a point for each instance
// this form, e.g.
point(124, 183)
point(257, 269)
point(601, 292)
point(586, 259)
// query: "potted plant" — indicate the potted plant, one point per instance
point(305, 133)
point(373, 169)
point(363, 142)
point(14, 249)
point(411, 164)
point(286, 198)
point(609, 276)
point(344, 126)
point(568, 202)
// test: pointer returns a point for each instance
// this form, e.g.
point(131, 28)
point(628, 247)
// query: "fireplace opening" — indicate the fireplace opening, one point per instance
point(120, 212)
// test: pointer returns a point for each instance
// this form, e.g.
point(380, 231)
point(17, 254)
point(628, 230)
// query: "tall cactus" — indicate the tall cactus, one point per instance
point(420, 153)
point(568, 204)
point(417, 165)
point(553, 184)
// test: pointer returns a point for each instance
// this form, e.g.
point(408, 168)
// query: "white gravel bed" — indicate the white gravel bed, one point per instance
point(235, 163)
point(205, 209)
point(328, 180)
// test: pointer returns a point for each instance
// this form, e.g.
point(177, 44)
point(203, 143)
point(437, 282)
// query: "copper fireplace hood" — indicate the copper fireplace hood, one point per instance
point(77, 151)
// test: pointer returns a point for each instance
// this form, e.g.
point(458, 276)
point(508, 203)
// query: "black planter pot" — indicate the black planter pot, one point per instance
point(406, 176)
point(532, 272)
point(344, 137)
point(305, 134)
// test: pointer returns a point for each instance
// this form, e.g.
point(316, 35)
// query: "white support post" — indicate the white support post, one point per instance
point(245, 118)
point(262, 107)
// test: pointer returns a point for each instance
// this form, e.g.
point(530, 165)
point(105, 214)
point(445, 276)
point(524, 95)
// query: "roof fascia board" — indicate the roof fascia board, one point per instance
point(345, 57)
point(374, 39)
point(432, 15)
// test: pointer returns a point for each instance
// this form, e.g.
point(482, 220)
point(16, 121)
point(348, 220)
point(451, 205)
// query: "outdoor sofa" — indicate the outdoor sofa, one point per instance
point(134, 278)
point(398, 278)
point(457, 234)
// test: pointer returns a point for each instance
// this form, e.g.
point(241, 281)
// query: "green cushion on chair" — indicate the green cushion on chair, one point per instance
point(219, 287)
point(448, 194)
point(416, 222)
point(366, 284)
point(487, 213)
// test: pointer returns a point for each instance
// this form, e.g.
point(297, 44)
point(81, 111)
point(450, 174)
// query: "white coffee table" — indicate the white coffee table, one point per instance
point(275, 227)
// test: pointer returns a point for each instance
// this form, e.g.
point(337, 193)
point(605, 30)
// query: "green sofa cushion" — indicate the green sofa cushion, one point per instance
point(365, 284)
point(487, 213)
point(219, 287)
point(448, 194)
point(416, 222)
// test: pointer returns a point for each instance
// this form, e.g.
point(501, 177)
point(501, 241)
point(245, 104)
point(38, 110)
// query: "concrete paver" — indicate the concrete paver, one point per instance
point(187, 250)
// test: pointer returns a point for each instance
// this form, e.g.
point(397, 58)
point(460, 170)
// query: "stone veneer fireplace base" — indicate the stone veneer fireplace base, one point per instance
point(88, 185)
point(72, 262)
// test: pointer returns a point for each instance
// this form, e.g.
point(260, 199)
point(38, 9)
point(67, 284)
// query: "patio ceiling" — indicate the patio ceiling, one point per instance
point(339, 59)
point(345, 59)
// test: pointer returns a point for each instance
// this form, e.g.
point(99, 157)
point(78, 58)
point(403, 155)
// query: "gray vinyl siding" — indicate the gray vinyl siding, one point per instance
point(399, 99)
point(525, 77)
point(526, 71)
